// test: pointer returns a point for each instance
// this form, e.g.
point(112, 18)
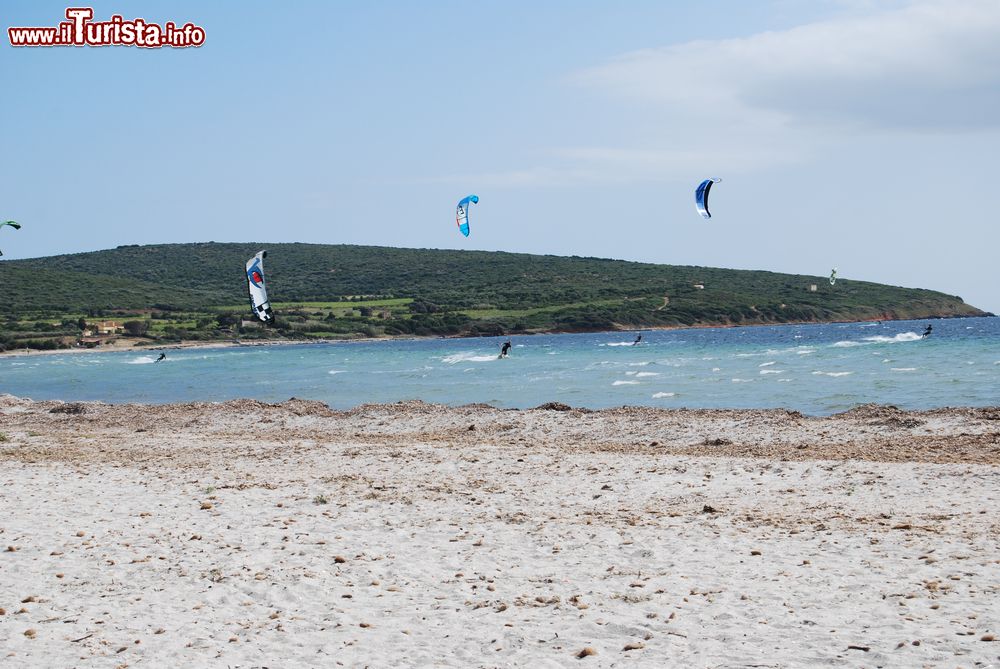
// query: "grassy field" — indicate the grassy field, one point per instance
point(507, 314)
point(387, 303)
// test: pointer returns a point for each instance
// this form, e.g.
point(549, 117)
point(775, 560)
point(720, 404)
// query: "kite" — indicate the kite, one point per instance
point(257, 289)
point(16, 226)
point(462, 213)
point(701, 196)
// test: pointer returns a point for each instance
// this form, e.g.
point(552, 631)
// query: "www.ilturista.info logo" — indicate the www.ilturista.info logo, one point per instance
point(80, 30)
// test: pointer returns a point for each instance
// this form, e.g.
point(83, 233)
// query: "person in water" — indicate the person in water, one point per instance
point(163, 356)
point(927, 332)
point(637, 340)
point(505, 349)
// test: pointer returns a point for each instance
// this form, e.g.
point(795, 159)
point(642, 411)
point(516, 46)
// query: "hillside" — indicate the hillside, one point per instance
point(199, 288)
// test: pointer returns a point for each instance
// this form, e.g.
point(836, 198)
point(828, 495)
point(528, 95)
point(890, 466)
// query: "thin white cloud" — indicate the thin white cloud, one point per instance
point(534, 176)
point(931, 65)
point(698, 155)
point(779, 98)
point(603, 165)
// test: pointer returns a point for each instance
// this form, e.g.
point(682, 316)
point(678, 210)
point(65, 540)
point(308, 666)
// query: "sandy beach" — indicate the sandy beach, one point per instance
point(245, 535)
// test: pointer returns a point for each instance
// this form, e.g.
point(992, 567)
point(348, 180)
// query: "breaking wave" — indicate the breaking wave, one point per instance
point(467, 356)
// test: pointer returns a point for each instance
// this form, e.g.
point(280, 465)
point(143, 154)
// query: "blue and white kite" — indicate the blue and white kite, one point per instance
point(462, 213)
point(701, 196)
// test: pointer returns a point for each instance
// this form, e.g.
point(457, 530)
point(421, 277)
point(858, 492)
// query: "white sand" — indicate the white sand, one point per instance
point(391, 536)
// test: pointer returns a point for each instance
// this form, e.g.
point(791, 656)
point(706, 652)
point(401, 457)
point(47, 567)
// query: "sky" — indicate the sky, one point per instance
point(856, 134)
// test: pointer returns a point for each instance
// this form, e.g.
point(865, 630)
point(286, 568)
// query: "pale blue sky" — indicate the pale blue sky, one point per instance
point(856, 134)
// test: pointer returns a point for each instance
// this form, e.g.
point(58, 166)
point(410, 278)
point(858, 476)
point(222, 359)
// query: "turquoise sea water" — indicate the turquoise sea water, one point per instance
point(816, 369)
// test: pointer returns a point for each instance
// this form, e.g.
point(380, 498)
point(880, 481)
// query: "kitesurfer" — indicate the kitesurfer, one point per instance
point(505, 349)
point(163, 356)
point(637, 340)
point(927, 332)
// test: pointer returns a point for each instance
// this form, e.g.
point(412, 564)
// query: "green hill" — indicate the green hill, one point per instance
point(198, 290)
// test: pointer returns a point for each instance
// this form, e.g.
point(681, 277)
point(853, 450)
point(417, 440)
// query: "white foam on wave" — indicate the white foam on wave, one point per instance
point(771, 371)
point(638, 364)
point(832, 373)
point(337, 371)
point(619, 343)
point(719, 369)
point(766, 364)
point(467, 356)
point(847, 344)
point(783, 380)
point(741, 380)
point(642, 374)
point(657, 396)
point(901, 337)
point(903, 369)
point(141, 360)
point(625, 383)
point(807, 351)
point(772, 352)
point(401, 371)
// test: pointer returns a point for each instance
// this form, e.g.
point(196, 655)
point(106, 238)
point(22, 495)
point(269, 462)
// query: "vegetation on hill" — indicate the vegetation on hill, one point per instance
point(197, 291)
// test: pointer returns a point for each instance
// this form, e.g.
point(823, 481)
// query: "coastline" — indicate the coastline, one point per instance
point(246, 533)
point(140, 344)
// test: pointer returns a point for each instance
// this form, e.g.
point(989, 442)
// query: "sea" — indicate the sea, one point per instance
point(818, 369)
